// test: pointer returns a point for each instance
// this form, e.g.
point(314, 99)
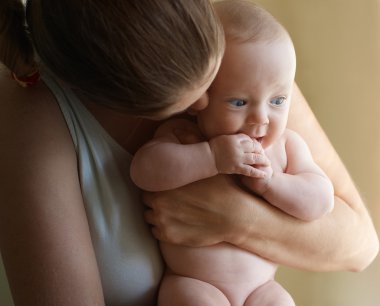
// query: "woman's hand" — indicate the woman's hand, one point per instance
point(200, 214)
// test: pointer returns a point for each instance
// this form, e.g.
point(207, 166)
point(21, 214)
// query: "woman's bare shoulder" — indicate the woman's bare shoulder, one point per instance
point(29, 116)
point(42, 216)
point(33, 133)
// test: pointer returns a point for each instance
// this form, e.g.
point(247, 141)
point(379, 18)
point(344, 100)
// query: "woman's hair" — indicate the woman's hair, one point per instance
point(16, 51)
point(245, 21)
point(133, 55)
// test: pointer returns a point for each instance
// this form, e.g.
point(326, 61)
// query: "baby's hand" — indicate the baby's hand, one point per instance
point(259, 185)
point(239, 154)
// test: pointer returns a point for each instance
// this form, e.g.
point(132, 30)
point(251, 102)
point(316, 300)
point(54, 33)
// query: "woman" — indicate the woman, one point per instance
point(72, 231)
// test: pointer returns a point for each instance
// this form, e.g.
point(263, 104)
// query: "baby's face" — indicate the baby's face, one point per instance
point(251, 92)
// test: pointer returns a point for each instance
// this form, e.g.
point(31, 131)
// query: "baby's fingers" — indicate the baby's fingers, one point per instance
point(252, 172)
point(250, 146)
point(256, 159)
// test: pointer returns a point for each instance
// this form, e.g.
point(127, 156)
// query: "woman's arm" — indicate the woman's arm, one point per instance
point(44, 235)
point(216, 210)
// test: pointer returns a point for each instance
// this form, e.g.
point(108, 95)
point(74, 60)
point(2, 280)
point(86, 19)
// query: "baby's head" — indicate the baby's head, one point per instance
point(245, 21)
point(252, 90)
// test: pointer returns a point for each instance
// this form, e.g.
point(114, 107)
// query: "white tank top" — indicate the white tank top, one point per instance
point(128, 256)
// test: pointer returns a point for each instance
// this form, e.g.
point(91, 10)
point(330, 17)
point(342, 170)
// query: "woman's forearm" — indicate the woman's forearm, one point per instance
point(342, 240)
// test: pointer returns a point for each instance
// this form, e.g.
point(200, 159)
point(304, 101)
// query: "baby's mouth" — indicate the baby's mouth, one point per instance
point(259, 139)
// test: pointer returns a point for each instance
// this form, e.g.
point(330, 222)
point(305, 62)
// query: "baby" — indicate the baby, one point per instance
point(244, 132)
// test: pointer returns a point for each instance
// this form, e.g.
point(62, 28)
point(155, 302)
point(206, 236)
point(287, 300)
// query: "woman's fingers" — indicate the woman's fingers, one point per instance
point(188, 215)
point(175, 232)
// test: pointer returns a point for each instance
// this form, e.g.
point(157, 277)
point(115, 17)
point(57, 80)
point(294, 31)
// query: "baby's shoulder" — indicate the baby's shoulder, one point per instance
point(292, 138)
point(171, 126)
point(284, 147)
point(295, 145)
point(285, 140)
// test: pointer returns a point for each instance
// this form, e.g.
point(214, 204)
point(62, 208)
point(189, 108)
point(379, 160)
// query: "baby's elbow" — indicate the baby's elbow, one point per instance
point(134, 172)
point(312, 215)
point(143, 177)
point(322, 205)
point(142, 183)
point(325, 207)
point(328, 196)
point(139, 176)
point(326, 201)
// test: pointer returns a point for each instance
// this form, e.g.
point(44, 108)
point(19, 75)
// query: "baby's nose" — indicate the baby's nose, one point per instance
point(258, 115)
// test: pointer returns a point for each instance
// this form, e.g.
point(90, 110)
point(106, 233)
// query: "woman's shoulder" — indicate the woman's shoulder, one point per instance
point(27, 102)
point(30, 120)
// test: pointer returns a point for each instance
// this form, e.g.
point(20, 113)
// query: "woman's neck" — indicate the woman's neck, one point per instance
point(130, 132)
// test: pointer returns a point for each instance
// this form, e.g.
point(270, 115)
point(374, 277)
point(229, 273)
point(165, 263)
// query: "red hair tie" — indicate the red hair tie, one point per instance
point(27, 80)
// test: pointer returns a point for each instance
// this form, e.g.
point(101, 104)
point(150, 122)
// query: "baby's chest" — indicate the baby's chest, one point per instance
point(277, 157)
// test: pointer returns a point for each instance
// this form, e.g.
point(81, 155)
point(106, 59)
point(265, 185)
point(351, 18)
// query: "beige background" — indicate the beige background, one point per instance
point(338, 52)
point(338, 47)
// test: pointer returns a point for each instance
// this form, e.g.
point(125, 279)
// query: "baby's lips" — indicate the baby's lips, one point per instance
point(259, 140)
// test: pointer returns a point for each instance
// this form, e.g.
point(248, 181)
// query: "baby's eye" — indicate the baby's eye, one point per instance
point(278, 101)
point(237, 102)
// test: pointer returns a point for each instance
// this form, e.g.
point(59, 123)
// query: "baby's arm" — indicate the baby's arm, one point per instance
point(165, 163)
point(303, 190)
